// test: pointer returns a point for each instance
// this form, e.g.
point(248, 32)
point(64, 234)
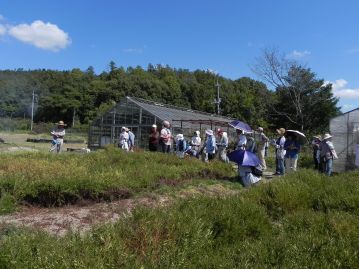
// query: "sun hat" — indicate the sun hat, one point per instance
point(327, 136)
point(61, 123)
point(197, 133)
point(123, 128)
point(281, 131)
point(260, 129)
point(154, 126)
point(209, 132)
point(319, 137)
point(179, 136)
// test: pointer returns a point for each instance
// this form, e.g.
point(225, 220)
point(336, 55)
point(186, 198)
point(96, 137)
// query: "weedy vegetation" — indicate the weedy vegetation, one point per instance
point(302, 220)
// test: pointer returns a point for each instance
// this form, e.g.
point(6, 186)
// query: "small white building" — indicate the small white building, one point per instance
point(345, 132)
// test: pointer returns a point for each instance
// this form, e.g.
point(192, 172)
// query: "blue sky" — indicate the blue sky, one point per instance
point(225, 36)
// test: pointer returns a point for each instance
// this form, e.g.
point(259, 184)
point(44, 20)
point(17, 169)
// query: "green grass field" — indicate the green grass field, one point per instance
point(302, 220)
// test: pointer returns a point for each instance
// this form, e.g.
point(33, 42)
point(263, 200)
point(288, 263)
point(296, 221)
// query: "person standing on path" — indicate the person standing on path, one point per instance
point(327, 154)
point(261, 147)
point(58, 135)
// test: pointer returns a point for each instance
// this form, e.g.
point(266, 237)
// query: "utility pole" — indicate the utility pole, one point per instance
point(34, 99)
point(218, 100)
point(73, 118)
point(32, 109)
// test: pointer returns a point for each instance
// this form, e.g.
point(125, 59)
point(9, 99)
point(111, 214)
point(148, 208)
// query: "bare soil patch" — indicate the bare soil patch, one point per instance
point(77, 218)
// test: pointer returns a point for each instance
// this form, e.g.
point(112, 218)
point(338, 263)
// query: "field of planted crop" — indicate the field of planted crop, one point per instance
point(302, 220)
point(54, 180)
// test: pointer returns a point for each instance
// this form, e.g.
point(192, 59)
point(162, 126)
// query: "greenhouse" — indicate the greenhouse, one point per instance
point(345, 132)
point(139, 115)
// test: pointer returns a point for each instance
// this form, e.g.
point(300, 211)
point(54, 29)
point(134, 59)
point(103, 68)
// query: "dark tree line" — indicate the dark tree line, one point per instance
point(60, 93)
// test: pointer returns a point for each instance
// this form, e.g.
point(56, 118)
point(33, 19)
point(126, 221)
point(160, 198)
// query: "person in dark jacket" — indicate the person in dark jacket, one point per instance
point(154, 138)
point(315, 147)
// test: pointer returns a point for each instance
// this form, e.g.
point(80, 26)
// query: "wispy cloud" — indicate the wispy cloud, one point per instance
point(133, 50)
point(42, 35)
point(2, 18)
point(2, 30)
point(295, 54)
point(341, 90)
point(353, 50)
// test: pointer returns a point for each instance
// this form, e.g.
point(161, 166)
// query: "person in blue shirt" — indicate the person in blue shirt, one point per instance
point(210, 145)
point(292, 148)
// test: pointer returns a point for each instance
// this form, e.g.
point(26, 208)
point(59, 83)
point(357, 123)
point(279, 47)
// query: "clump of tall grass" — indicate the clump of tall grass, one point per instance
point(304, 220)
point(55, 180)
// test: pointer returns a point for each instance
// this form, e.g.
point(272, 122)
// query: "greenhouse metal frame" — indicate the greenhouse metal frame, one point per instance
point(139, 115)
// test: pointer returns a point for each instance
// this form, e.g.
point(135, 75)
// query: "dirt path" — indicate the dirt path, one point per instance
point(59, 221)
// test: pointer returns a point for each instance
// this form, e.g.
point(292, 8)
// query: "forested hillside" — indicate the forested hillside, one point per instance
point(59, 93)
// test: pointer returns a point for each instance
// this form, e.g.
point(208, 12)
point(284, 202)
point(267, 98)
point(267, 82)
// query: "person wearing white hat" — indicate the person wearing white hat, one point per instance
point(262, 140)
point(196, 140)
point(58, 137)
point(280, 152)
point(327, 154)
point(123, 139)
point(166, 137)
point(222, 145)
point(153, 138)
point(210, 145)
point(181, 146)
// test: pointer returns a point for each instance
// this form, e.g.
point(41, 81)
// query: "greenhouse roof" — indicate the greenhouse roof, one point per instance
point(175, 114)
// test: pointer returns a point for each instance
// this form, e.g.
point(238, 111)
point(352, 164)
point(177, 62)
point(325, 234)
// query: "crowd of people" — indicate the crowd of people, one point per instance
point(216, 145)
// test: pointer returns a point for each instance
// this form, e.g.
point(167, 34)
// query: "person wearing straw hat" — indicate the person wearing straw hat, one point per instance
point(327, 154)
point(262, 141)
point(58, 135)
point(315, 147)
point(123, 139)
point(280, 152)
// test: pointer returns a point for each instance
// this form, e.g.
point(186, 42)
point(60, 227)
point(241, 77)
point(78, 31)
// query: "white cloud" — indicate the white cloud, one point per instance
point(341, 90)
point(2, 30)
point(295, 54)
point(42, 35)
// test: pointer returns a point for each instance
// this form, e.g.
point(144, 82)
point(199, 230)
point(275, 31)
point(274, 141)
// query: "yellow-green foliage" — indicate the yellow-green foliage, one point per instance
point(50, 179)
point(304, 220)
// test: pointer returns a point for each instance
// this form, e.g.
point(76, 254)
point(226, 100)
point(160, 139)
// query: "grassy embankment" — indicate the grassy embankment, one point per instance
point(55, 180)
point(304, 220)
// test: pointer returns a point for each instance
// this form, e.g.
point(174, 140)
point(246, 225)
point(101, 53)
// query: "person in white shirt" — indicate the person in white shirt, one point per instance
point(58, 135)
point(222, 145)
point(166, 137)
point(327, 154)
point(280, 152)
point(123, 139)
point(262, 140)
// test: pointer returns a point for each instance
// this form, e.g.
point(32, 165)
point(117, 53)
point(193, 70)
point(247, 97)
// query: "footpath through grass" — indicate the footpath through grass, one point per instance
point(54, 180)
point(303, 220)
